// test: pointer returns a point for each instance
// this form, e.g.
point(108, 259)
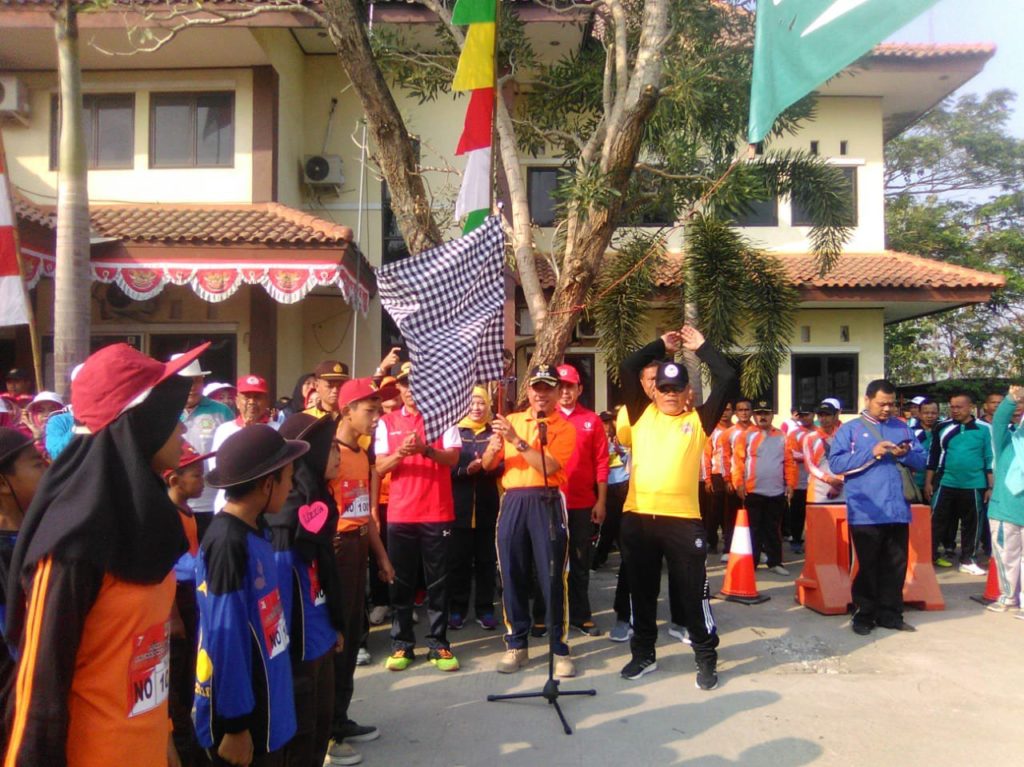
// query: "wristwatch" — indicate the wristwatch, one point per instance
point(522, 446)
point(429, 452)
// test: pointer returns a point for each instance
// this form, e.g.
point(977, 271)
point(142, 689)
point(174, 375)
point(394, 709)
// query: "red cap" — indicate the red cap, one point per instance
point(189, 456)
point(568, 374)
point(251, 384)
point(117, 378)
point(356, 389)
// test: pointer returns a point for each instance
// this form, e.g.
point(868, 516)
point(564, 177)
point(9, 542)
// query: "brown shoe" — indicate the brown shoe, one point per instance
point(564, 667)
point(513, 660)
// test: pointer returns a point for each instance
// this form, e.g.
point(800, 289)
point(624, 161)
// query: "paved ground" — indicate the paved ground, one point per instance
point(795, 688)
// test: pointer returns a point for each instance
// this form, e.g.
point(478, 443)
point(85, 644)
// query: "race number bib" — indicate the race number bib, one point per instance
point(355, 499)
point(275, 630)
point(149, 676)
point(316, 591)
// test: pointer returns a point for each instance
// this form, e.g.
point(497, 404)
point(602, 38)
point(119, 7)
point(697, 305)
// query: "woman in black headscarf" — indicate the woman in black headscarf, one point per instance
point(91, 582)
point(301, 535)
point(303, 387)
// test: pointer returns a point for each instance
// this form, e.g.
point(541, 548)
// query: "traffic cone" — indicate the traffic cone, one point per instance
point(740, 585)
point(991, 585)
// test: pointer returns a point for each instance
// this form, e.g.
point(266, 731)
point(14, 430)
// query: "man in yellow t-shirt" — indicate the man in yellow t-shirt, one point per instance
point(662, 519)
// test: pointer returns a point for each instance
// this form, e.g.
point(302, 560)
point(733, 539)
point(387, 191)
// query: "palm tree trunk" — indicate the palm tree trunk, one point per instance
point(72, 308)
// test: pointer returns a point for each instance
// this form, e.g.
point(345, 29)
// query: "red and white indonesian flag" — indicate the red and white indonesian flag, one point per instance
point(12, 293)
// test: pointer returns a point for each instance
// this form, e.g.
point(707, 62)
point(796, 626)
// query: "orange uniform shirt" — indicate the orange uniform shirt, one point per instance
point(351, 489)
point(561, 444)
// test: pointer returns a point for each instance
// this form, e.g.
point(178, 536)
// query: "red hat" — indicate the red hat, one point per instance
point(117, 378)
point(189, 456)
point(251, 384)
point(568, 374)
point(356, 389)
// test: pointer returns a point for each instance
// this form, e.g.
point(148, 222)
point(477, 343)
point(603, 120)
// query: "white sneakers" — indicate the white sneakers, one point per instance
point(513, 660)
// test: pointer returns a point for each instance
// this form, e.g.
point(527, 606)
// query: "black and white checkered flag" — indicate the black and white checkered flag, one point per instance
point(448, 303)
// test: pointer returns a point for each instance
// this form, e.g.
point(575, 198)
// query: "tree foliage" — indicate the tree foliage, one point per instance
point(954, 194)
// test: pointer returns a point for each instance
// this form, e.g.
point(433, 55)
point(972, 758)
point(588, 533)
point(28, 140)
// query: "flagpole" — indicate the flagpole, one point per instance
point(33, 332)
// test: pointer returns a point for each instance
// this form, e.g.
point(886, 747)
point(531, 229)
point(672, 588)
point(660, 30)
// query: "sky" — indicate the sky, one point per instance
point(979, 21)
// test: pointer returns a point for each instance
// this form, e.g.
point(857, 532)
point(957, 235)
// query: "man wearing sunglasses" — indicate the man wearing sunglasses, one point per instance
point(662, 512)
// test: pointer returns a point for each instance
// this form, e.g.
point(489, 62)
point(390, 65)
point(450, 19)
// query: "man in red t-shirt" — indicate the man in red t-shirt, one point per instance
point(585, 494)
point(420, 516)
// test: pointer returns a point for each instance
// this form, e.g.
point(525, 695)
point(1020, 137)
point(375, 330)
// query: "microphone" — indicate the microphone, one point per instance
point(542, 426)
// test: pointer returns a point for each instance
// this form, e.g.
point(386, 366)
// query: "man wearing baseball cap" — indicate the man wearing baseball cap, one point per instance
point(764, 475)
point(585, 495)
point(244, 709)
point(19, 386)
point(253, 404)
point(533, 479)
point(93, 571)
point(822, 485)
point(202, 417)
point(421, 512)
point(662, 512)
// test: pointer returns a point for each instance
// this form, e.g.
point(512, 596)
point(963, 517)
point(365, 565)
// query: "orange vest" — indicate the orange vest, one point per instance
point(351, 489)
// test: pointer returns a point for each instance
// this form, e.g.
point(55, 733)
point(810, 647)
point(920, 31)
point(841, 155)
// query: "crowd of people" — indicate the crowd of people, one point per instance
point(189, 571)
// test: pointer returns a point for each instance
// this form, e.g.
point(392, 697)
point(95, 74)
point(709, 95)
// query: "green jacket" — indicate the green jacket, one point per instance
point(1005, 506)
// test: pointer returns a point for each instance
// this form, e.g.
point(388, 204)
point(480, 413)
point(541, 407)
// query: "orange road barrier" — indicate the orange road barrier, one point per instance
point(826, 581)
point(740, 584)
point(825, 584)
point(921, 587)
point(992, 590)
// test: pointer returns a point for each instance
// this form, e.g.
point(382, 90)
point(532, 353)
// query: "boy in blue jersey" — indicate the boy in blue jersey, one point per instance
point(244, 710)
point(184, 484)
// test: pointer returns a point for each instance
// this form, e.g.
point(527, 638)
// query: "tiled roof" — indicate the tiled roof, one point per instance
point(932, 50)
point(890, 269)
point(265, 223)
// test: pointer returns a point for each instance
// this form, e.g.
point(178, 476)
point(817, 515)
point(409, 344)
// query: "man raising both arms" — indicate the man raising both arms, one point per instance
point(662, 513)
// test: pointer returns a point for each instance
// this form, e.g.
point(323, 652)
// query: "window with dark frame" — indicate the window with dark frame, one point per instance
point(817, 376)
point(192, 130)
point(802, 218)
point(109, 126)
point(758, 213)
point(541, 183)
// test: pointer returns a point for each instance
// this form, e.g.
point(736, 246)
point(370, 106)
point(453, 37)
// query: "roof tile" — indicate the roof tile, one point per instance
point(267, 223)
point(890, 269)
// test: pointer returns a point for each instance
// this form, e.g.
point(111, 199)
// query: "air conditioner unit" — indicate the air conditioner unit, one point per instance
point(586, 329)
point(13, 99)
point(322, 170)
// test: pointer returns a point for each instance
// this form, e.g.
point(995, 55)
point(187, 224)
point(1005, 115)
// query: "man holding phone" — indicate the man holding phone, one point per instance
point(868, 452)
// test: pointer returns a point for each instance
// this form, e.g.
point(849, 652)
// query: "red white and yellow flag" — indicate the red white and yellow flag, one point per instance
point(475, 73)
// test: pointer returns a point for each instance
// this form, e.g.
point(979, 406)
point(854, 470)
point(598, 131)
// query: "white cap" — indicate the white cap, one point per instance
point(919, 400)
point(216, 386)
point(833, 402)
point(46, 396)
point(192, 369)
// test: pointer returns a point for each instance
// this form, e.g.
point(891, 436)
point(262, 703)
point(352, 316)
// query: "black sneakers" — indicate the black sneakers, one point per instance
point(357, 733)
point(707, 676)
point(637, 667)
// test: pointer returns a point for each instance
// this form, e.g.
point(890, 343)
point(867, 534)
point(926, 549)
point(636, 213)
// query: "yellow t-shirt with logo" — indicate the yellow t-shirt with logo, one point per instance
point(666, 453)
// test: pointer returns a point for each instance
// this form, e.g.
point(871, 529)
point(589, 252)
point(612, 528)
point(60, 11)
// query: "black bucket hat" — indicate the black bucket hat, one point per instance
point(253, 452)
point(12, 442)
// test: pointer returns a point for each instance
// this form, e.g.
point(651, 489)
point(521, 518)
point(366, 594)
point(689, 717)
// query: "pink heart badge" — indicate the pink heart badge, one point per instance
point(313, 516)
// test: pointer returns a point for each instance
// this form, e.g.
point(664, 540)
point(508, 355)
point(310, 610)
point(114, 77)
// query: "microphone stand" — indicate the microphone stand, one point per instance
point(552, 500)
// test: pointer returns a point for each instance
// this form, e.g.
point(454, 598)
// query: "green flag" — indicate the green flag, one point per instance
point(474, 11)
point(799, 44)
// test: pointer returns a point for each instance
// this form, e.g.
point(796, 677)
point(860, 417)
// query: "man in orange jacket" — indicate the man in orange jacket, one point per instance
point(764, 475)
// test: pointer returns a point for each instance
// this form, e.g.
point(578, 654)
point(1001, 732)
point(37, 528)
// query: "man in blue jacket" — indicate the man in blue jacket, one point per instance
point(868, 452)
